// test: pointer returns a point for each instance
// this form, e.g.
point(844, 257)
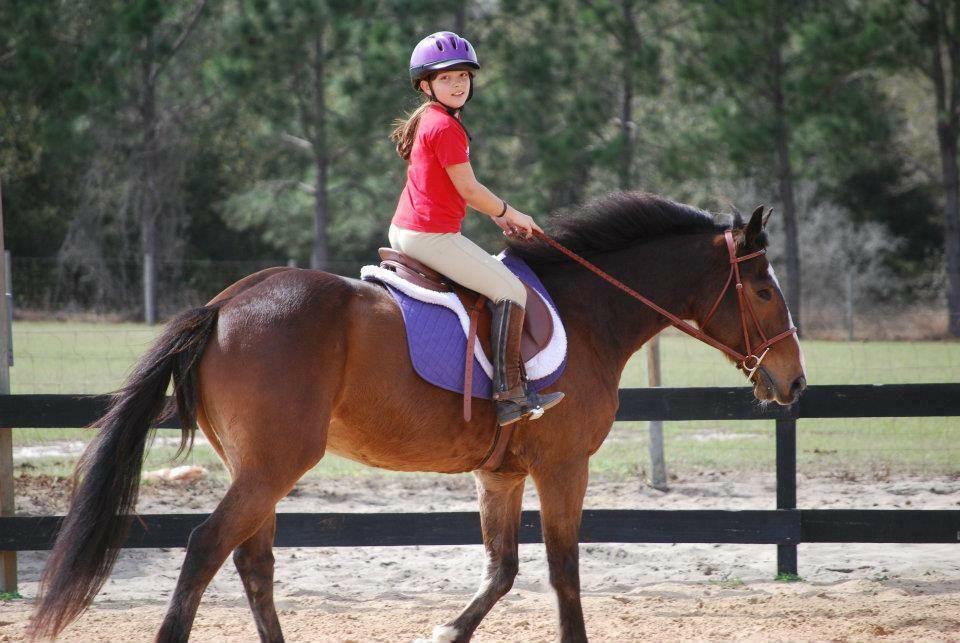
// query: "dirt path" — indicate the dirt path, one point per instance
point(631, 592)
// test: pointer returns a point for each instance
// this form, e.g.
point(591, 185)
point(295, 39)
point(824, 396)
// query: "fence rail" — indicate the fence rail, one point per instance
point(44, 411)
point(785, 526)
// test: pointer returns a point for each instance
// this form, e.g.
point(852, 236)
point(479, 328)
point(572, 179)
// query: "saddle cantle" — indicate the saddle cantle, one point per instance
point(537, 323)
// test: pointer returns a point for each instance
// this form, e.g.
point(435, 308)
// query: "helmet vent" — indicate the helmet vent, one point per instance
point(439, 45)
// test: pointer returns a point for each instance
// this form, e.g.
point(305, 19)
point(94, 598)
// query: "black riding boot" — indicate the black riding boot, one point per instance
point(513, 400)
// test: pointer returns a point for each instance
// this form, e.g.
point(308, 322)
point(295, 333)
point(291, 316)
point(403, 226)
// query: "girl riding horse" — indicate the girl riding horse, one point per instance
point(440, 184)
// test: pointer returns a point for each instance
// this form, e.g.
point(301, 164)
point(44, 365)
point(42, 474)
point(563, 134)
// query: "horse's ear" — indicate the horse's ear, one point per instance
point(766, 218)
point(754, 228)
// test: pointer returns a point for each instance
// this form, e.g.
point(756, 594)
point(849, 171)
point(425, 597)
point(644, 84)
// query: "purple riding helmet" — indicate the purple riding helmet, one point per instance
point(442, 50)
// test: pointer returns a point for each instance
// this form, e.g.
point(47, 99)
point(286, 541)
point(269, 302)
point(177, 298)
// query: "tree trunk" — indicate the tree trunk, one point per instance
point(946, 88)
point(785, 177)
point(947, 138)
point(319, 257)
point(629, 44)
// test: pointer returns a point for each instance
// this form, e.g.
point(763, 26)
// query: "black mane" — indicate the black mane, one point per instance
point(614, 222)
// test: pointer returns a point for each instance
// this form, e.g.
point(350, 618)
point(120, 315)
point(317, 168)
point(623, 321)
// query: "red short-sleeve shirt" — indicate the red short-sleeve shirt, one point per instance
point(430, 201)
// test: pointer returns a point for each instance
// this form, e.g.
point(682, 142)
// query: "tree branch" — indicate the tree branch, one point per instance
point(297, 142)
point(191, 23)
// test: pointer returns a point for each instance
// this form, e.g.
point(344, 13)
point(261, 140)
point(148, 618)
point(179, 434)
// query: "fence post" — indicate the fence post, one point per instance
point(149, 289)
point(658, 466)
point(849, 310)
point(786, 487)
point(8, 559)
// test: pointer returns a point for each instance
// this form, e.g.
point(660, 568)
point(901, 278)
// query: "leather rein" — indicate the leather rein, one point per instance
point(743, 360)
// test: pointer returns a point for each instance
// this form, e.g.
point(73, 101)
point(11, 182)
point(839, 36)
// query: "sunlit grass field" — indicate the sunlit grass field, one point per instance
point(60, 357)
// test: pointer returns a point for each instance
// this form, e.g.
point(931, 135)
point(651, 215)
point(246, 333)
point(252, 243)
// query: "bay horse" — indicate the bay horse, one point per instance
point(287, 364)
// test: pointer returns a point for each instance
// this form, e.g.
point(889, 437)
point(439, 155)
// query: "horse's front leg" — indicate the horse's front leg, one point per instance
point(561, 487)
point(501, 497)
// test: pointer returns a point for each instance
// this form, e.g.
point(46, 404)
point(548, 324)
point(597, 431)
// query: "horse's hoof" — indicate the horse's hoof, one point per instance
point(441, 634)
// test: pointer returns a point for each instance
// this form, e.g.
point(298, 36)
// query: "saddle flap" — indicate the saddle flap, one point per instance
point(537, 324)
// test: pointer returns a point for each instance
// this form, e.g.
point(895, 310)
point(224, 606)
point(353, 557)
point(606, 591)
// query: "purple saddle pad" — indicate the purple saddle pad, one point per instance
point(438, 345)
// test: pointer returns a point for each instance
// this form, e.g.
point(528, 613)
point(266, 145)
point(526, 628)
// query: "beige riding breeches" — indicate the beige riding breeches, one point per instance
point(453, 255)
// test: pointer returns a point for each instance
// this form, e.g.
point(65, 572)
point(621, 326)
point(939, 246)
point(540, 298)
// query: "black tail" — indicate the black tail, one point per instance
point(107, 477)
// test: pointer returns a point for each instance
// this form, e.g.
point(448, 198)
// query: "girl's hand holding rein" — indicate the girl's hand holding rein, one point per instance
point(515, 222)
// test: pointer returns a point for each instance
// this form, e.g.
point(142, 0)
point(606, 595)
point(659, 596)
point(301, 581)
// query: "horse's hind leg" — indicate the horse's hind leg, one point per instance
point(501, 497)
point(249, 502)
point(254, 561)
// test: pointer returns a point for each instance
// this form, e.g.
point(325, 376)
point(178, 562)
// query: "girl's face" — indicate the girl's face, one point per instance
point(451, 87)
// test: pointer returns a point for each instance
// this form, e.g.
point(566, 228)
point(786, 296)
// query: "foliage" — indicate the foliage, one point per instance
point(270, 119)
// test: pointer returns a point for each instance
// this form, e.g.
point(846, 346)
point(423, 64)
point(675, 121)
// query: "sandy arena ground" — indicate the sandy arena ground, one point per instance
point(630, 592)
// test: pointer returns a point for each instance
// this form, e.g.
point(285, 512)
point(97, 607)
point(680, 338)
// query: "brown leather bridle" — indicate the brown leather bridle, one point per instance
point(756, 354)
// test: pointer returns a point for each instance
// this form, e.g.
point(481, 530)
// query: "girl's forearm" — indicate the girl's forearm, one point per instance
point(481, 199)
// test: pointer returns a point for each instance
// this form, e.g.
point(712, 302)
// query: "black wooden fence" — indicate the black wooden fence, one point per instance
point(786, 526)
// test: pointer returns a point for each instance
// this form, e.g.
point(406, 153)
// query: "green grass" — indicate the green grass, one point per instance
point(789, 578)
point(55, 357)
point(851, 447)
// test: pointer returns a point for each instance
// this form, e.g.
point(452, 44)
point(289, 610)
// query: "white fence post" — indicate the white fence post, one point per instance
point(658, 466)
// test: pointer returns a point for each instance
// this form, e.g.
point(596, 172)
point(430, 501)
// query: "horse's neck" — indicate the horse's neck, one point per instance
point(676, 273)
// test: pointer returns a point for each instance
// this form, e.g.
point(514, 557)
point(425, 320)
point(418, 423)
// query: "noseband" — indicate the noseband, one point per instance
point(749, 362)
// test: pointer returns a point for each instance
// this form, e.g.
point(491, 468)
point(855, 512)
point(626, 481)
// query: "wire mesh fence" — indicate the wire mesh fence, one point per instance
point(43, 288)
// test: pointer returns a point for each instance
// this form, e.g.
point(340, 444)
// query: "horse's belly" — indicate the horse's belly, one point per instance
point(392, 447)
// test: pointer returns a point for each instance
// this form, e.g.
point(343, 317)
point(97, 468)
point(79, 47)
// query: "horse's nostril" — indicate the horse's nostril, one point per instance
point(799, 385)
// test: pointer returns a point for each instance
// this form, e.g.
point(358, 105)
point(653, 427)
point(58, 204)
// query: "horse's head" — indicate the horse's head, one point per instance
point(755, 322)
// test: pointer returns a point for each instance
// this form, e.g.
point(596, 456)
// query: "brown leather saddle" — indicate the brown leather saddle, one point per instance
point(537, 323)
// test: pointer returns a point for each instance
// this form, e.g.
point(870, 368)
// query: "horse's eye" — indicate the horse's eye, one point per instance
point(764, 294)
